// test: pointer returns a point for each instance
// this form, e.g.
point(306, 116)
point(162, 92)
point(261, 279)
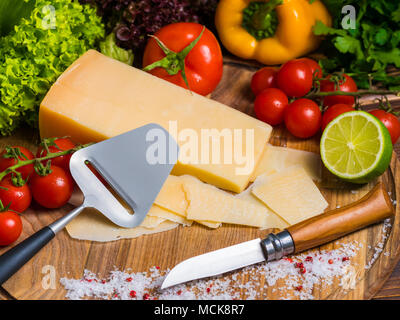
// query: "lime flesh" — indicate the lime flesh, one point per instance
point(356, 147)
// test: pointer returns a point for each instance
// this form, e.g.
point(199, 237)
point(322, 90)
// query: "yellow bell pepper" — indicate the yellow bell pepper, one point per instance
point(271, 32)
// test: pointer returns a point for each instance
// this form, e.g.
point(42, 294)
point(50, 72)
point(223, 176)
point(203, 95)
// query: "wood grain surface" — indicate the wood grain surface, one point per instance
point(71, 257)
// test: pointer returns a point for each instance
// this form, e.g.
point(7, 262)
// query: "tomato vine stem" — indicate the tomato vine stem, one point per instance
point(354, 94)
point(49, 156)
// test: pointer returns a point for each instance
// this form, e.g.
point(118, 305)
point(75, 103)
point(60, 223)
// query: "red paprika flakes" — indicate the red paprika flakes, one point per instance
point(146, 296)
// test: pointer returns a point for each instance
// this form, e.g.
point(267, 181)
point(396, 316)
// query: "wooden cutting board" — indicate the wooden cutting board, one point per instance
point(71, 257)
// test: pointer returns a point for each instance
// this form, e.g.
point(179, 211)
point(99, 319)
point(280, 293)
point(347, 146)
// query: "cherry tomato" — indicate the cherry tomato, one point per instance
point(53, 190)
point(303, 118)
point(263, 79)
point(334, 111)
point(347, 85)
point(62, 144)
point(25, 171)
point(295, 78)
point(270, 105)
point(19, 198)
point(316, 69)
point(10, 227)
point(203, 64)
point(390, 121)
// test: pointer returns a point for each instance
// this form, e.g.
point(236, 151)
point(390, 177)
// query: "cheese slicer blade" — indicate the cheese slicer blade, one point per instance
point(134, 166)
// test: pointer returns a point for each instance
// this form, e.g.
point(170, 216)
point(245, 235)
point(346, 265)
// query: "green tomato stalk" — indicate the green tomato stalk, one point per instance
point(174, 62)
point(39, 167)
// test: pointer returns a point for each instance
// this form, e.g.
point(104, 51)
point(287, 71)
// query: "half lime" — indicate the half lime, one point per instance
point(356, 147)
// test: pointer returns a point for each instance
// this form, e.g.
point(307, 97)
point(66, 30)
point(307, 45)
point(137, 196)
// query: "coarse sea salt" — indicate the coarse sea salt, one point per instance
point(289, 278)
point(380, 245)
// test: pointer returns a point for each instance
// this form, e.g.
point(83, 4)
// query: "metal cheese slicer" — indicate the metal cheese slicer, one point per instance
point(135, 166)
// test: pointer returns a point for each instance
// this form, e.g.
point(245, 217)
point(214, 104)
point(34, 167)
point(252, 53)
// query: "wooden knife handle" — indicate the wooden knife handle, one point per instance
point(373, 207)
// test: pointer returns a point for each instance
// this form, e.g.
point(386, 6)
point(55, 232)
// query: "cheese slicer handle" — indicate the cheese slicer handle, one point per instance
point(12, 260)
point(375, 206)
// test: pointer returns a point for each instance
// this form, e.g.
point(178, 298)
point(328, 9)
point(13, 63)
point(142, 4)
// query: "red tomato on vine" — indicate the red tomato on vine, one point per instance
point(334, 111)
point(17, 198)
point(52, 189)
point(390, 121)
point(346, 85)
point(263, 79)
point(303, 118)
point(9, 156)
point(10, 227)
point(295, 78)
point(185, 50)
point(58, 145)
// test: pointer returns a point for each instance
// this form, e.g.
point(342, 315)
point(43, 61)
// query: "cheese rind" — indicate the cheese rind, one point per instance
point(97, 98)
point(291, 194)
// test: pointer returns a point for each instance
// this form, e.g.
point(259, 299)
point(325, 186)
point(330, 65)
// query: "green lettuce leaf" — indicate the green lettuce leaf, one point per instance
point(37, 51)
point(109, 48)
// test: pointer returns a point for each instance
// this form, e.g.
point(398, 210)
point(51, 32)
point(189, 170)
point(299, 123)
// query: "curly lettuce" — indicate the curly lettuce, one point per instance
point(109, 48)
point(37, 51)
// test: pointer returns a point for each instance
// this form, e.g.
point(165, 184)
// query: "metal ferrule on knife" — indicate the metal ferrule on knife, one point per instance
point(276, 246)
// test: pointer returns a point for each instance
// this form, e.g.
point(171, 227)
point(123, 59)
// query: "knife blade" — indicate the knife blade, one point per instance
point(216, 262)
point(373, 207)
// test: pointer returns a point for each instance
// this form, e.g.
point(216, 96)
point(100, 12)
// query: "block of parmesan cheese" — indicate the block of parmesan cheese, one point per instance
point(276, 159)
point(209, 203)
point(291, 194)
point(98, 97)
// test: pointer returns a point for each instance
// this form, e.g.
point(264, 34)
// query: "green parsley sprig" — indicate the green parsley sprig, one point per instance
point(368, 50)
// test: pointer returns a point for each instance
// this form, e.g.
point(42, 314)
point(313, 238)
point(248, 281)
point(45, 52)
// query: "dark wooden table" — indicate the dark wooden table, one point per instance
point(391, 288)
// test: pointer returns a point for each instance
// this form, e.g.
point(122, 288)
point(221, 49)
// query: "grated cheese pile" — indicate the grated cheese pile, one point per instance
point(288, 278)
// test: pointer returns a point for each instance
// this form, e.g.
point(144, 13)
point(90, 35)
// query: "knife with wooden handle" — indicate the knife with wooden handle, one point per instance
point(372, 208)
